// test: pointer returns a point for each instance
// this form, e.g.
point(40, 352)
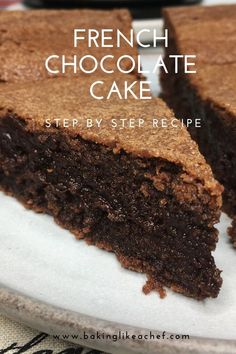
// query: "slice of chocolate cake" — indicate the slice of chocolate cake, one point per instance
point(28, 38)
point(210, 34)
point(126, 184)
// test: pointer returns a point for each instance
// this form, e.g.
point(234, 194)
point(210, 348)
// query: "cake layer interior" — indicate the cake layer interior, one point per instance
point(216, 138)
point(142, 209)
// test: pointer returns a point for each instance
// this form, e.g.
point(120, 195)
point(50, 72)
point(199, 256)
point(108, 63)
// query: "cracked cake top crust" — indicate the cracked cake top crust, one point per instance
point(193, 27)
point(28, 38)
point(69, 99)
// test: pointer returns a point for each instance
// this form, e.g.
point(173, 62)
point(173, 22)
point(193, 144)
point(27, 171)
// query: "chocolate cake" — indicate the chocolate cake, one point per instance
point(28, 38)
point(144, 193)
point(210, 34)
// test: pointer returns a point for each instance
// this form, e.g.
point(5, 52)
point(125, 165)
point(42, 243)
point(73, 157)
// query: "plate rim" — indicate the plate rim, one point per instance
point(53, 320)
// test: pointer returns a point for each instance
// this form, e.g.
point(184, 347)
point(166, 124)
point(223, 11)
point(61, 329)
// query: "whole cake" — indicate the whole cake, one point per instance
point(144, 193)
point(210, 34)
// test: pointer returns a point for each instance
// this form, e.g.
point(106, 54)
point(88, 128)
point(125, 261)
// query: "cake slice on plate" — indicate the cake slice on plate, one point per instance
point(210, 34)
point(128, 186)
